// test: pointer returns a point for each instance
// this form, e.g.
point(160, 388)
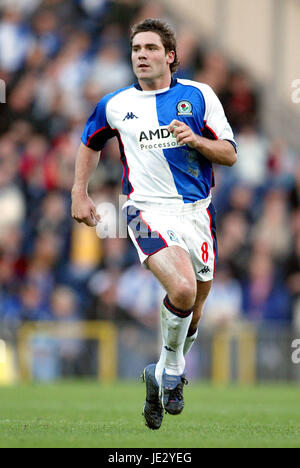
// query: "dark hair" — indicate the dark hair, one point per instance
point(166, 34)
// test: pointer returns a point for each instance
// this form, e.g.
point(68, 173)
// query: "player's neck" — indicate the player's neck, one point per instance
point(153, 85)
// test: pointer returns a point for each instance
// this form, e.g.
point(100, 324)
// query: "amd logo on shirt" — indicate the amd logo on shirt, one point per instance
point(159, 138)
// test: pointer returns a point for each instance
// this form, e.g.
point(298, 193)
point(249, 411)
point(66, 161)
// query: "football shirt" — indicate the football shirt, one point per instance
point(156, 168)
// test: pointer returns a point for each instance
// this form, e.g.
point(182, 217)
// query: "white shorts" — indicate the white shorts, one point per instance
point(153, 227)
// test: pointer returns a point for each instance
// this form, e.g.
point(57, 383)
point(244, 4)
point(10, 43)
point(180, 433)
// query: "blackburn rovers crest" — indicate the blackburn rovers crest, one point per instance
point(173, 236)
point(184, 108)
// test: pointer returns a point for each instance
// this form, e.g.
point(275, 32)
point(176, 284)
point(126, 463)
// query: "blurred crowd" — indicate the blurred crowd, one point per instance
point(58, 58)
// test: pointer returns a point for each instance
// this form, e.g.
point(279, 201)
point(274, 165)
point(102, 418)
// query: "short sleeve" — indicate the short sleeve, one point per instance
point(97, 130)
point(216, 125)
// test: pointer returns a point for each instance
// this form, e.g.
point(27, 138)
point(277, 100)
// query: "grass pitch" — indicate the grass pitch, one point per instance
point(86, 414)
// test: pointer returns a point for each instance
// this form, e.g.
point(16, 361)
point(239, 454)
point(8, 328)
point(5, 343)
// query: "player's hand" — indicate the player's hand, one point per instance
point(84, 209)
point(183, 133)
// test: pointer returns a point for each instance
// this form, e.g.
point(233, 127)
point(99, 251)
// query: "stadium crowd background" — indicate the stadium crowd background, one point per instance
point(57, 59)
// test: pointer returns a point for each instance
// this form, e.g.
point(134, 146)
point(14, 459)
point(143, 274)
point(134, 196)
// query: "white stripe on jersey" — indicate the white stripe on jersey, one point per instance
point(150, 174)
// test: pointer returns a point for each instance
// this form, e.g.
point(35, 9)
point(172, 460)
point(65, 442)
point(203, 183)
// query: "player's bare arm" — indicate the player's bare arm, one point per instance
point(217, 151)
point(83, 208)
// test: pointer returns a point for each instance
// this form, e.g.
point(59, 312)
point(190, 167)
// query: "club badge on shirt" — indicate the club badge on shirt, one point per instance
point(173, 236)
point(184, 108)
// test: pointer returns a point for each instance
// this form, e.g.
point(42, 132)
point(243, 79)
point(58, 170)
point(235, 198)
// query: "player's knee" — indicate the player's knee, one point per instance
point(184, 295)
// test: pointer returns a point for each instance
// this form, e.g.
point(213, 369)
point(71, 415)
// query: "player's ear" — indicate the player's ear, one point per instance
point(170, 57)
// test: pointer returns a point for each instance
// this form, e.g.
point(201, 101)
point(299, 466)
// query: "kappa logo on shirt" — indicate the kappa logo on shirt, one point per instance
point(130, 116)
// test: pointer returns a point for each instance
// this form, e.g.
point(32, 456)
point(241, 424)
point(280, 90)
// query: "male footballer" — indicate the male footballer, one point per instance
point(170, 132)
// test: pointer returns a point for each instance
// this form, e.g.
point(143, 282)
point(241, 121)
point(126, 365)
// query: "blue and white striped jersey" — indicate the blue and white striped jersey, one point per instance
point(156, 168)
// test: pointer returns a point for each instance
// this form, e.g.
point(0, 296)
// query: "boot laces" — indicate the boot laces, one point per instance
point(176, 393)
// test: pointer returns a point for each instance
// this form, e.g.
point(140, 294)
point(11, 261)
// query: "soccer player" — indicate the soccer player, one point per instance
point(170, 132)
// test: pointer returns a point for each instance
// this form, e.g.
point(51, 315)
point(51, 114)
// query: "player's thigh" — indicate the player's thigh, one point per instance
point(173, 268)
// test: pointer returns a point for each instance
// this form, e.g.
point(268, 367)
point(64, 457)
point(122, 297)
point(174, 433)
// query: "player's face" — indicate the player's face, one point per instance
point(150, 61)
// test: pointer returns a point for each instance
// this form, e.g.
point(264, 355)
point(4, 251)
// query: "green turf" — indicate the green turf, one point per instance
point(85, 414)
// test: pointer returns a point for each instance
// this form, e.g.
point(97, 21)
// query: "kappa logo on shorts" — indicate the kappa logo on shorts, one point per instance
point(204, 270)
point(172, 236)
point(184, 108)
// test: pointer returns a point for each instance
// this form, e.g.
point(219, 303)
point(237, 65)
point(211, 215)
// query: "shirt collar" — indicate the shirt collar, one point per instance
point(173, 83)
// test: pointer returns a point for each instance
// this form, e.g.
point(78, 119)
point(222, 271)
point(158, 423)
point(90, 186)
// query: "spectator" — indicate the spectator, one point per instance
point(30, 304)
point(141, 295)
point(264, 294)
point(281, 163)
point(15, 40)
point(105, 306)
point(272, 227)
point(188, 50)
point(213, 72)
point(64, 309)
point(293, 280)
point(46, 32)
point(110, 71)
point(234, 246)
point(224, 305)
point(68, 55)
point(294, 194)
point(12, 202)
point(251, 167)
point(240, 101)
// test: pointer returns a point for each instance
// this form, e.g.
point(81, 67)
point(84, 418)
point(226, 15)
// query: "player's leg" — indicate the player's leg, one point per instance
point(173, 268)
point(161, 248)
point(203, 247)
point(203, 290)
point(153, 411)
